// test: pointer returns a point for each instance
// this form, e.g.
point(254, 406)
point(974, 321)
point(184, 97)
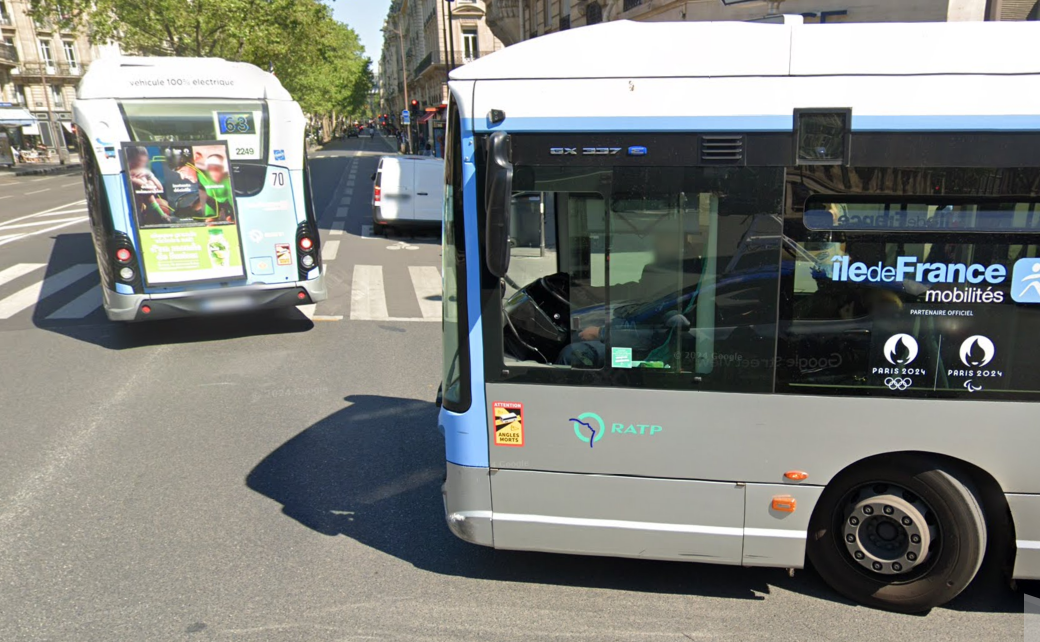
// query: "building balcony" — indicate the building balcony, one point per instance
point(503, 19)
point(8, 54)
point(55, 69)
point(436, 60)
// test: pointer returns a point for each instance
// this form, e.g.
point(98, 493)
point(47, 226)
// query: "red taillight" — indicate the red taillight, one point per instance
point(301, 295)
point(145, 309)
point(376, 194)
point(123, 255)
point(306, 243)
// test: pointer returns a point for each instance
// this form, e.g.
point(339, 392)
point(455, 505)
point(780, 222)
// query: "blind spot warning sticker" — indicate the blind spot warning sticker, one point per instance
point(509, 423)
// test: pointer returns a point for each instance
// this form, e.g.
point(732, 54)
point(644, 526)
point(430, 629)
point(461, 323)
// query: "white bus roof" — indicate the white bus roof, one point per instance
point(625, 49)
point(170, 77)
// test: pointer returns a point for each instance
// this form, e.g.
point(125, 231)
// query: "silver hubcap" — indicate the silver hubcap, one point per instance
point(887, 534)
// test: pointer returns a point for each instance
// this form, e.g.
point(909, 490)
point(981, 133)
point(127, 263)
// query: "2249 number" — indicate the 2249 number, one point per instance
point(245, 151)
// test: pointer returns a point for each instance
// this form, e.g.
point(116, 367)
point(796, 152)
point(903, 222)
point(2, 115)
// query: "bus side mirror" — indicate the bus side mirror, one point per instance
point(498, 199)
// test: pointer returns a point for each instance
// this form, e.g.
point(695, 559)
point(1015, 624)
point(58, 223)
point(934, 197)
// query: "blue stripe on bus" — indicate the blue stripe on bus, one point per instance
point(118, 197)
point(639, 124)
point(466, 434)
point(945, 123)
point(1016, 122)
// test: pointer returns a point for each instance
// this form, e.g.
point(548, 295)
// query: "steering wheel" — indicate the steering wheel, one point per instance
point(539, 316)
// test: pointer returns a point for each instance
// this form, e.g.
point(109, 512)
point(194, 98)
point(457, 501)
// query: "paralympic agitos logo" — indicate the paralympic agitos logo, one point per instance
point(590, 428)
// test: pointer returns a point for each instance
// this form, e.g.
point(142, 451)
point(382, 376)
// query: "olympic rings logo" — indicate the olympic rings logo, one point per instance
point(898, 383)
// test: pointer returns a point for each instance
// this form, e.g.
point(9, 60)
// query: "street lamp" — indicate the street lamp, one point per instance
point(404, 78)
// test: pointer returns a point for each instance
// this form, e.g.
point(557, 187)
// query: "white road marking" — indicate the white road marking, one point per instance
point(4, 228)
point(367, 298)
point(426, 280)
point(3, 197)
point(79, 307)
point(61, 213)
point(329, 251)
point(36, 180)
point(338, 226)
point(43, 231)
point(15, 271)
point(39, 191)
point(47, 211)
point(307, 310)
point(26, 297)
point(341, 212)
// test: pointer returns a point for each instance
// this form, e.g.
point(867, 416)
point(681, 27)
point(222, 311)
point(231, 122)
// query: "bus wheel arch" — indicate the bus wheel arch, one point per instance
point(955, 509)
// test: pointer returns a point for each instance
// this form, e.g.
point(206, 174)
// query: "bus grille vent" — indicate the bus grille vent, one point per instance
point(722, 150)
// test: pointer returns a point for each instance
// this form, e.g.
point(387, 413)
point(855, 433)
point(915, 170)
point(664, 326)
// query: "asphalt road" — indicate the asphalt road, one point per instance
point(279, 478)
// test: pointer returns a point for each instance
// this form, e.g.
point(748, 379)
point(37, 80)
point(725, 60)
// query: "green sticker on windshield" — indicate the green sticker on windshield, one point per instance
point(621, 357)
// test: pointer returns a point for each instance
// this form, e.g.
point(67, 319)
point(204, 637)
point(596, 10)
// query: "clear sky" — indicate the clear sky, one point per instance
point(366, 18)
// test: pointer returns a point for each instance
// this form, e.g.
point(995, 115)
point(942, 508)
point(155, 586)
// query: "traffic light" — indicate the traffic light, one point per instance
point(415, 107)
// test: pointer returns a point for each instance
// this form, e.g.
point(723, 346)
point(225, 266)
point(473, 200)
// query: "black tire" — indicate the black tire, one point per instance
point(954, 556)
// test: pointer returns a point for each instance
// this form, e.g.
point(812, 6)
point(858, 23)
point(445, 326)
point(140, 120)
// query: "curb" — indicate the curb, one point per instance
point(71, 168)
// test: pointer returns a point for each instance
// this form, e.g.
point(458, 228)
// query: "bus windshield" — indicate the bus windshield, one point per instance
point(641, 267)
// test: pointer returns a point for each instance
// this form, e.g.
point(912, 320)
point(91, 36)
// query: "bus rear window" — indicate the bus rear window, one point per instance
point(240, 123)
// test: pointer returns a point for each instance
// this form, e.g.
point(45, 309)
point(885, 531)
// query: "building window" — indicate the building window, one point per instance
point(565, 15)
point(46, 54)
point(470, 51)
point(70, 54)
point(546, 19)
point(5, 13)
point(594, 14)
point(20, 95)
point(631, 4)
point(57, 98)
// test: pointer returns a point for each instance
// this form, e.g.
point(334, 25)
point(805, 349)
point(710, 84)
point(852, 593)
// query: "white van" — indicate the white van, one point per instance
point(408, 190)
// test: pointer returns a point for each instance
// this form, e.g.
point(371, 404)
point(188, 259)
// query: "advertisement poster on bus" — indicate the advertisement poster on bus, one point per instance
point(184, 212)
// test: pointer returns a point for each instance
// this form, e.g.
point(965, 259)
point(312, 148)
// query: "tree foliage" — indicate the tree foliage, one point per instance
point(319, 61)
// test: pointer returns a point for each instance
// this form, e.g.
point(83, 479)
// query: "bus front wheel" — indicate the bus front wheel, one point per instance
point(902, 535)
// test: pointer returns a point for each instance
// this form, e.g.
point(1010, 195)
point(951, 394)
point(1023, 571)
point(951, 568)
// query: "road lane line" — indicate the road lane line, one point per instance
point(4, 227)
point(329, 251)
point(338, 226)
point(81, 306)
point(47, 211)
point(27, 297)
point(36, 180)
point(15, 271)
point(61, 213)
point(39, 191)
point(341, 212)
point(43, 231)
point(426, 280)
point(367, 298)
point(3, 197)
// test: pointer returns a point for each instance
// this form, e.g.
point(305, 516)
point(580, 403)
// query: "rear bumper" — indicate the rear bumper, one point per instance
point(127, 307)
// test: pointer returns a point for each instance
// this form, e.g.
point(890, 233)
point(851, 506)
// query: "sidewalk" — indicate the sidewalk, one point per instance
point(41, 169)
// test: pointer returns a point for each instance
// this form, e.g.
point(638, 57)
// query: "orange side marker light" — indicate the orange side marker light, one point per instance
point(784, 504)
point(796, 475)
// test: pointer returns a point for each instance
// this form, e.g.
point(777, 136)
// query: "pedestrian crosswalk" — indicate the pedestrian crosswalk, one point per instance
point(392, 293)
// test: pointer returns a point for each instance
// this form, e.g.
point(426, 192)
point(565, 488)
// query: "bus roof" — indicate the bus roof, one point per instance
point(171, 77)
point(626, 49)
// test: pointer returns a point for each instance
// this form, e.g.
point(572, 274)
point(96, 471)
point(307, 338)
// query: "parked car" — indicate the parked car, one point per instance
point(408, 191)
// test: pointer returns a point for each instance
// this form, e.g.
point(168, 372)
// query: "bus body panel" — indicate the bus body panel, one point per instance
point(1025, 512)
point(756, 104)
point(611, 515)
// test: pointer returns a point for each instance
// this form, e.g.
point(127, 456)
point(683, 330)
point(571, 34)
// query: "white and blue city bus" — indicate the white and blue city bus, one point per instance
point(197, 188)
point(750, 294)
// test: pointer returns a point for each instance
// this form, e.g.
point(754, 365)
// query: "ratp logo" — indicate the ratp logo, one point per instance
point(1025, 281)
point(591, 423)
point(590, 428)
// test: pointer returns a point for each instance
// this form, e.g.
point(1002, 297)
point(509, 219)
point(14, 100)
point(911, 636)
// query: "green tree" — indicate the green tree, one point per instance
point(318, 60)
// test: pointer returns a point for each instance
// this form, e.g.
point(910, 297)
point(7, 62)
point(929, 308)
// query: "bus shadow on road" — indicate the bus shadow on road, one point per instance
point(373, 472)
